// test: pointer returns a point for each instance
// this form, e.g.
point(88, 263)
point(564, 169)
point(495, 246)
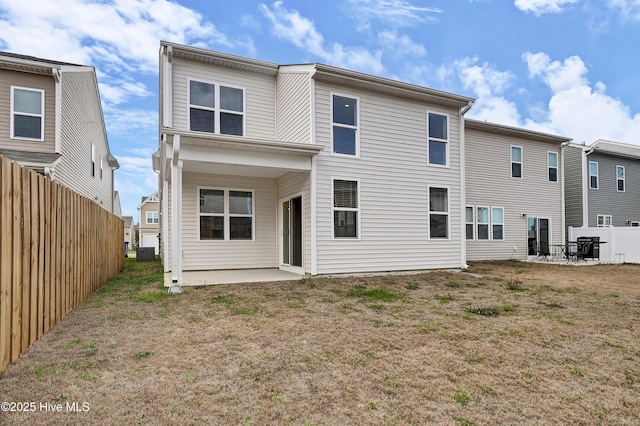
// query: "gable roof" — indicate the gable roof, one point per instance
point(153, 198)
point(620, 149)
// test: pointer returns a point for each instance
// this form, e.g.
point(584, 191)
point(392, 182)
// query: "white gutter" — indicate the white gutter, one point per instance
point(313, 178)
point(57, 75)
point(463, 190)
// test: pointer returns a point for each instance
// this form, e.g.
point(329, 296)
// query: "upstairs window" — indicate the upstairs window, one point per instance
point(101, 174)
point(345, 125)
point(215, 108)
point(516, 162)
point(27, 113)
point(620, 178)
point(593, 175)
point(152, 218)
point(438, 136)
point(345, 209)
point(552, 161)
point(438, 213)
point(93, 160)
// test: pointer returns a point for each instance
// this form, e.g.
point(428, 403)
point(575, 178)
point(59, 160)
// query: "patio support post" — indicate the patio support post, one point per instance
point(176, 216)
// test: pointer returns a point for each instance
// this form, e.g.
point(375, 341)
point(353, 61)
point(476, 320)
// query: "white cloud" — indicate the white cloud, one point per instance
point(578, 109)
point(540, 7)
point(395, 12)
point(628, 9)
point(301, 32)
point(400, 44)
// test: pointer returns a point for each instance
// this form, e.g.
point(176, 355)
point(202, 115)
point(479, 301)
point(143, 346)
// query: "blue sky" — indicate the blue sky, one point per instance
point(568, 67)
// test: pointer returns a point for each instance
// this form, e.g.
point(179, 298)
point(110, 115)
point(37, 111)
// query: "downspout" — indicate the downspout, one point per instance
point(463, 190)
point(586, 183)
point(57, 74)
point(313, 179)
point(562, 194)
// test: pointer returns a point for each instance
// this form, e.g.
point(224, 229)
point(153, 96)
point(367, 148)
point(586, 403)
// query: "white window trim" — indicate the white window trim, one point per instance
point(11, 120)
point(447, 142)
point(345, 126)
point(93, 160)
point(472, 223)
point(492, 224)
point(226, 215)
point(597, 175)
point(604, 221)
point(549, 166)
point(216, 109)
point(357, 210)
point(447, 213)
point(101, 174)
point(478, 223)
point(624, 178)
point(151, 215)
point(521, 162)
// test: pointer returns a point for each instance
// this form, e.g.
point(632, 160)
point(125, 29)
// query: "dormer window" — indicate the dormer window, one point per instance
point(215, 108)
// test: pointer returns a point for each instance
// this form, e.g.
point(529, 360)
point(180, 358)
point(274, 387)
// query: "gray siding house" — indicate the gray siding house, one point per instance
point(603, 184)
point(514, 191)
point(51, 121)
point(307, 168)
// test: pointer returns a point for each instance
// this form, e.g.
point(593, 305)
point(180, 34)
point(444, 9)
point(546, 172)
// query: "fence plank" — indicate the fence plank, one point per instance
point(33, 261)
point(16, 273)
point(5, 262)
point(26, 259)
point(41, 251)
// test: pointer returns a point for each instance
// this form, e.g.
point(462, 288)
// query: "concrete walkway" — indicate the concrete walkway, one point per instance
point(194, 278)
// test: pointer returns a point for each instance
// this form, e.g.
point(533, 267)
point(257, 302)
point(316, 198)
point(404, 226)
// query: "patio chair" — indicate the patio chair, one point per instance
point(571, 250)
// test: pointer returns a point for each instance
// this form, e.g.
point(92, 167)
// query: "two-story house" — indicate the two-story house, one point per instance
point(308, 168)
point(149, 222)
point(603, 184)
point(514, 191)
point(51, 121)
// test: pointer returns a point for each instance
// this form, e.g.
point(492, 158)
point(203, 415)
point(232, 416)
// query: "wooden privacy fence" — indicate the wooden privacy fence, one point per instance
point(56, 249)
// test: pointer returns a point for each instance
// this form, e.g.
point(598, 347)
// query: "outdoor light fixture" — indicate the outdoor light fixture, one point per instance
point(524, 215)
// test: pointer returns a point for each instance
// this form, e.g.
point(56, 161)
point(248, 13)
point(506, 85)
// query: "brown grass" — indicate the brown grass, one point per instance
point(564, 348)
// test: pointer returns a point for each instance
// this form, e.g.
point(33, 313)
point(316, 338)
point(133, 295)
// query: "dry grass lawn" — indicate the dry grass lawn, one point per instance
point(524, 344)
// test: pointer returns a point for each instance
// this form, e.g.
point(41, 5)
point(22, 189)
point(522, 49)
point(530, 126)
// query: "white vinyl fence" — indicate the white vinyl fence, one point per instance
point(618, 245)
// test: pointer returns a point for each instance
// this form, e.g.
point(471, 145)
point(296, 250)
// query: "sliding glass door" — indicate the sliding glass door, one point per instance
point(291, 214)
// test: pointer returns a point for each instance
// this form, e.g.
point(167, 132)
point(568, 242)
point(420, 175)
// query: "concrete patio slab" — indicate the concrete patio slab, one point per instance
point(235, 276)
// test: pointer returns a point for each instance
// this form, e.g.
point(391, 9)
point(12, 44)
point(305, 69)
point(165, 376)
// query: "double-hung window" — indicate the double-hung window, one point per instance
point(552, 162)
point(226, 214)
point(215, 108)
point(93, 160)
point(152, 217)
point(482, 221)
point(27, 113)
point(345, 125)
point(438, 213)
point(593, 174)
point(604, 220)
point(620, 178)
point(345, 208)
point(438, 136)
point(468, 214)
point(516, 161)
point(497, 223)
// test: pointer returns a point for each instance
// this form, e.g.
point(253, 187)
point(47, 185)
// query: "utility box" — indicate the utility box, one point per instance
point(145, 253)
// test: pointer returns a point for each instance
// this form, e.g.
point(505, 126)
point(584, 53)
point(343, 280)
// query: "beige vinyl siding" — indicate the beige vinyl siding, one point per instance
point(574, 182)
point(151, 206)
point(30, 81)
point(209, 255)
point(606, 200)
point(293, 107)
point(259, 95)
point(489, 184)
point(81, 125)
point(290, 185)
point(393, 181)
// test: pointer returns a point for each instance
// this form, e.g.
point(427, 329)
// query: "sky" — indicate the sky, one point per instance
point(566, 67)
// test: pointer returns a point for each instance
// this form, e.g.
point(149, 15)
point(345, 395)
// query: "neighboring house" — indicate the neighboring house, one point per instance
point(514, 191)
point(51, 121)
point(117, 208)
point(149, 222)
point(603, 184)
point(309, 168)
point(129, 235)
